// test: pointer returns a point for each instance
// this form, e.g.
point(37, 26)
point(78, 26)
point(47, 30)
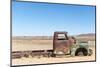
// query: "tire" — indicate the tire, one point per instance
point(81, 52)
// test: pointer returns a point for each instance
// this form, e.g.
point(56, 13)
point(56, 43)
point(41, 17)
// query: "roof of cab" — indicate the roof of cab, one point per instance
point(60, 32)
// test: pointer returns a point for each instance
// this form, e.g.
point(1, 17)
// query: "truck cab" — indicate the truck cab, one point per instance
point(61, 43)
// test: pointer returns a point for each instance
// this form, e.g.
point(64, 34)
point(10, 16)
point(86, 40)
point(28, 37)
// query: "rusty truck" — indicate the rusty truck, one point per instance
point(62, 45)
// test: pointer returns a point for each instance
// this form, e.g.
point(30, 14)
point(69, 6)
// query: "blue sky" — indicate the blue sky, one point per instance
point(42, 19)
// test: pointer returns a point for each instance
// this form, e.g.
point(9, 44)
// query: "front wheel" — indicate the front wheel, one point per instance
point(81, 52)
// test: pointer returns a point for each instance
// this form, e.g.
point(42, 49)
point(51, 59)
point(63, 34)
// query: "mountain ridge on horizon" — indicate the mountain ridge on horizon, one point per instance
point(90, 35)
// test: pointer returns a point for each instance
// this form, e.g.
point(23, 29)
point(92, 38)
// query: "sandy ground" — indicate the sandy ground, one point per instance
point(27, 45)
point(28, 61)
point(24, 45)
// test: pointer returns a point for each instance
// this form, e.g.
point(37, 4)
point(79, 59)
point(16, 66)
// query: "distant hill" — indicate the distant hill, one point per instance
point(32, 37)
point(89, 36)
point(86, 35)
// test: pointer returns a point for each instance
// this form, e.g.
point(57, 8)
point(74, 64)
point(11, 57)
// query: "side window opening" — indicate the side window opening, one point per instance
point(61, 37)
